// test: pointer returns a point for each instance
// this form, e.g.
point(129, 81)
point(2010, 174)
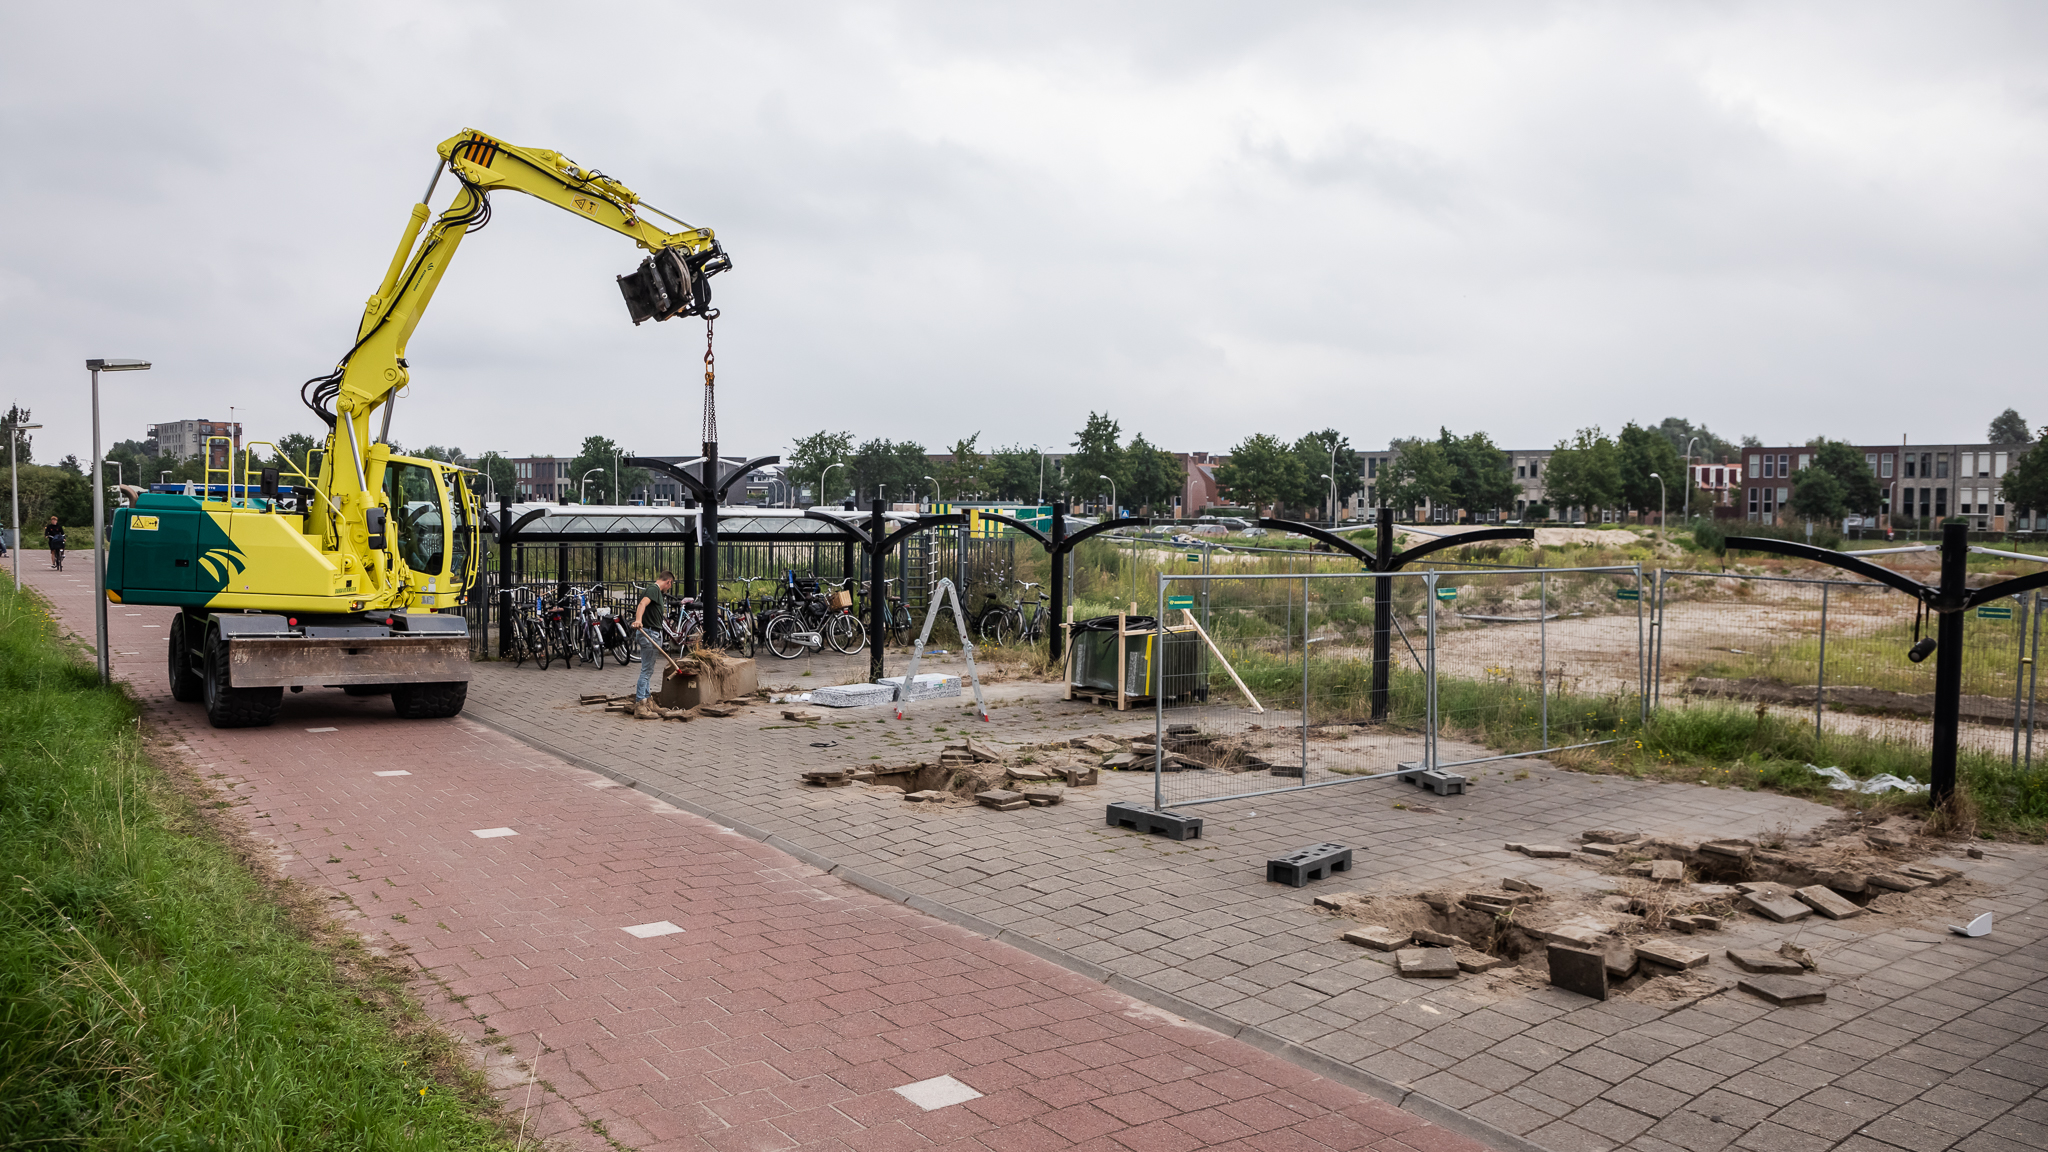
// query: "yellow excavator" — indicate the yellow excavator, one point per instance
point(348, 569)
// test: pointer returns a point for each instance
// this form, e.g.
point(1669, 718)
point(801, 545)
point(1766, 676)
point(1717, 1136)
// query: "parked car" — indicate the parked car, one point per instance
point(1256, 532)
point(1233, 523)
point(1208, 528)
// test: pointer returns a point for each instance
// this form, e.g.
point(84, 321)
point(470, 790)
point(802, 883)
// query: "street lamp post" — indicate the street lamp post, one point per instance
point(936, 494)
point(99, 506)
point(1041, 473)
point(1333, 498)
point(14, 491)
point(583, 487)
point(616, 454)
point(821, 479)
point(1660, 504)
point(1689, 480)
point(1112, 495)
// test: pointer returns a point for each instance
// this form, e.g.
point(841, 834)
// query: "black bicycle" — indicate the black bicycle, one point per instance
point(1004, 624)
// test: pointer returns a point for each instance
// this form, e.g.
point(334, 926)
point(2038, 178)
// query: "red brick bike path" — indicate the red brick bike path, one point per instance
point(785, 1012)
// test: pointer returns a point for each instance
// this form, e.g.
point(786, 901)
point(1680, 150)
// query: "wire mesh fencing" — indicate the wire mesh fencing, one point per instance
point(1834, 652)
point(1290, 681)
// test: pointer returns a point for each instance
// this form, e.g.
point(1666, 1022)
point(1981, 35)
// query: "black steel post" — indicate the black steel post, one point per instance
point(689, 569)
point(562, 569)
point(878, 593)
point(847, 571)
point(1056, 635)
point(707, 593)
point(1382, 613)
point(597, 563)
point(504, 576)
point(1948, 659)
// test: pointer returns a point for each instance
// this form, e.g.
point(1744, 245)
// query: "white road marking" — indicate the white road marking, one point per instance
point(937, 1092)
point(323, 729)
point(396, 772)
point(491, 833)
point(658, 928)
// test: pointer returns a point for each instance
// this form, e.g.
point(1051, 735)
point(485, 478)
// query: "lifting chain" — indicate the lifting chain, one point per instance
point(710, 380)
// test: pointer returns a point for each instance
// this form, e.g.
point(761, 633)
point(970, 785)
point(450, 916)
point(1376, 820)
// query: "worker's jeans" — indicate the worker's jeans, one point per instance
point(650, 655)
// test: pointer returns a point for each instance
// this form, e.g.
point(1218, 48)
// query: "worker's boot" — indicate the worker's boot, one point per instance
point(643, 709)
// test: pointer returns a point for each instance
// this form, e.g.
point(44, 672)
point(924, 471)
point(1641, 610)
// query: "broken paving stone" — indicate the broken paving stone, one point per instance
point(1541, 851)
point(1379, 939)
point(1640, 868)
point(1575, 933)
point(1843, 881)
point(1604, 836)
point(1893, 882)
point(1078, 776)
point(1735, 849)
point(1001, 799)
point(1825, 901)
point(1667, 871)
point(1927, 872)
point(1671, 954)
point(1621, 963)
point(926, 795)
point(1097, 744)
point(1701, 923)
point(1031, 773)
point(1513, 885)
point(1440, 939)
point(1427, 963)
point(718, 711)
point(801, 716)
point(1785, 991)
point(1886, 838)
point(1120, 761)
point(1578, 970)
point(1758, 960)
point(1776, 901)
point(1044, 797)
point(1712, 891)
point(1474, 961)
point(1608, 850)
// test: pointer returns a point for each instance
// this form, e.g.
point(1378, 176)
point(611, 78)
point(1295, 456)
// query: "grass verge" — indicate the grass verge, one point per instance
point(155, 991)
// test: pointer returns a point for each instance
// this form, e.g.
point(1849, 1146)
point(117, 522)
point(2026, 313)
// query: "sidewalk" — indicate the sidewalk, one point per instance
point(689, 987)
point(1928, 1041)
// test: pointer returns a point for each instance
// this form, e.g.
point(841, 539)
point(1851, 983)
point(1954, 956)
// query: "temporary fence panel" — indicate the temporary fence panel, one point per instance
point(1833, 653)
point(1284, 699)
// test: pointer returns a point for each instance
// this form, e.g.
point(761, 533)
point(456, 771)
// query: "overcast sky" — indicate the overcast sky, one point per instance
point(1778, 219)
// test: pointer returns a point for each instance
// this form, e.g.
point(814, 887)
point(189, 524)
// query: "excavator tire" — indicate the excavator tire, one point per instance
point(429, 701)
point(187, 686)
point(226, 705)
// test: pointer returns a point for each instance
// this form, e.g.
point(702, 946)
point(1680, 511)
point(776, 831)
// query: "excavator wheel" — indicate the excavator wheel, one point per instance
point(429, 701)
point(226, 705)
point(187, 686)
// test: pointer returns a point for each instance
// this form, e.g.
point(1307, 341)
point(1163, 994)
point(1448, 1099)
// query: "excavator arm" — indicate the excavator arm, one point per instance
point(674, 280)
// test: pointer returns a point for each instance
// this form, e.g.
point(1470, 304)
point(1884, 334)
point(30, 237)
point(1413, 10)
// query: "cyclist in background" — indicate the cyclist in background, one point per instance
point(54, 533)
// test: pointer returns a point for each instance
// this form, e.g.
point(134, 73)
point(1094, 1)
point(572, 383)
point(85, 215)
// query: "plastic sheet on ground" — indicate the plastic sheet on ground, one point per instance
point(1841, 781)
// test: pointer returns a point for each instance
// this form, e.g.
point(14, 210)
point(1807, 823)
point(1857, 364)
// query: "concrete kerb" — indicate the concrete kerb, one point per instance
point(1378, 1087)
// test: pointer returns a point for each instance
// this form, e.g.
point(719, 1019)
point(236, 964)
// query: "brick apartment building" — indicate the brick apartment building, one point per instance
point(1919, 484)
point(184, 439)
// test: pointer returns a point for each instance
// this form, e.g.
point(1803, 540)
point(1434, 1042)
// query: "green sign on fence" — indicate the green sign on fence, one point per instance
point(1994, 612)
point(1447, 593)
point(1176, 603)
point(1194, 558)
point(1628, 594)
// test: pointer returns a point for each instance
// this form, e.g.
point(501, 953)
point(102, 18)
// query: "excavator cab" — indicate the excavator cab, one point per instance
point(432, 525)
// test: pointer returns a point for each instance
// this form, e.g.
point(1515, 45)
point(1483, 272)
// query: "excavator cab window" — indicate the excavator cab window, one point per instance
point(458, 516)
point(416, 515)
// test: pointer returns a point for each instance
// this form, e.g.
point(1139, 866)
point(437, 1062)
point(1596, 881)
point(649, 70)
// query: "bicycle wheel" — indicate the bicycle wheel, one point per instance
point(782, 637)
point(523, 648)
point(739, 636)
point(1000, 626)
point(593, 645)
point(620, 641)
point(847, 634)
point(543, 644)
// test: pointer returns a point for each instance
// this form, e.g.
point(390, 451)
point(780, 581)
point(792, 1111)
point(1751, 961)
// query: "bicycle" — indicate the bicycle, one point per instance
point(896, 622)
point(804, 620)
point(1004, 624)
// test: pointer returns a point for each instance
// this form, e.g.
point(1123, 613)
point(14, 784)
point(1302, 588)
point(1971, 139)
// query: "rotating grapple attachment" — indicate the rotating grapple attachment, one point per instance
point(673, 282)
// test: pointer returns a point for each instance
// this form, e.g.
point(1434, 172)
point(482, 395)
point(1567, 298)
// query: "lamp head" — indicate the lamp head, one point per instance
point(1922, 650)
point(117, 364)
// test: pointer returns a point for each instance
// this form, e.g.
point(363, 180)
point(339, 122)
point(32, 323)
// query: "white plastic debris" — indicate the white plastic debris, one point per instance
point(1981, 926)
point(1841, 781)
point(789, 697)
